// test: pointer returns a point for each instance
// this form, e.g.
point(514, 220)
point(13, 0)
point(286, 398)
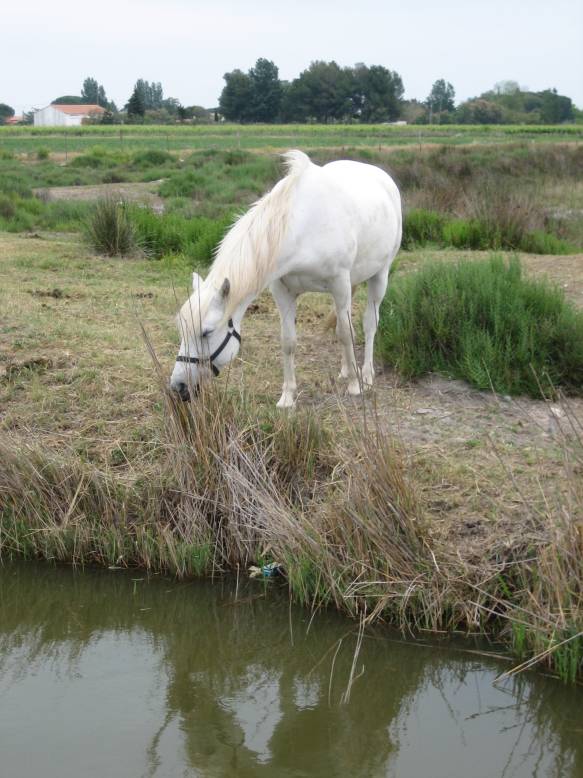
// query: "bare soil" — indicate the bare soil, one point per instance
point(142, 193)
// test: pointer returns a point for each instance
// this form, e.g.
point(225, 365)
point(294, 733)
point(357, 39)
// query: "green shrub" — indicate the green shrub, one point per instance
point(7, 207)
point(151, 157)
point(42, 153)
point(162, 234)
point(109, 229)
point(421, 227)
point(484, 322)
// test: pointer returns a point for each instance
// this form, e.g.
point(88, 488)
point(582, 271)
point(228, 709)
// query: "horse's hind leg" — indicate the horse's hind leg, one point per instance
point(377, 286)
point(286, 303)
point(342, 293)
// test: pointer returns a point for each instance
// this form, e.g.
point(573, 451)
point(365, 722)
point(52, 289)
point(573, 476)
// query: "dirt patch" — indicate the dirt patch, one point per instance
point(56, 293)
point(141, 193)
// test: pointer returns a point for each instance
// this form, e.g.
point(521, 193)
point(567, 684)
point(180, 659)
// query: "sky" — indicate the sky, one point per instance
point(48, 48)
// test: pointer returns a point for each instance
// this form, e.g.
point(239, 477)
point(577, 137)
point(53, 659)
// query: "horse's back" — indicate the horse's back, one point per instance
point(346, 216)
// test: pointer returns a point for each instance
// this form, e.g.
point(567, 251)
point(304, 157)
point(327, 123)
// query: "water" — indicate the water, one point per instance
point(113, 674)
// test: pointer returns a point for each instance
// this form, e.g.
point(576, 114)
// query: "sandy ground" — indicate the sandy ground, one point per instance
point(145, 193)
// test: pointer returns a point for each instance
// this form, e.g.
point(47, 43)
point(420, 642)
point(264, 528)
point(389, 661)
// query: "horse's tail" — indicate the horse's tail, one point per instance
point(330, 322)
point(295, 162)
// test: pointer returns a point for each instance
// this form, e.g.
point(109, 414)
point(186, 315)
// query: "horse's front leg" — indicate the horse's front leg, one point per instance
point(286, 303)
point(342, 292)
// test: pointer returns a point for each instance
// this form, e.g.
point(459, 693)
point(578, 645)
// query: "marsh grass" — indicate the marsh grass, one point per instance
point(235, 485)
point(483, 321)
point(109, 229)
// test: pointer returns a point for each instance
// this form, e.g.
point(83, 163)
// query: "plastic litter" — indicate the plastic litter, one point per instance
point(271, 570)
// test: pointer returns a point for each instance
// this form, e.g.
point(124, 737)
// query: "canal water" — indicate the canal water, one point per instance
point(109, 673)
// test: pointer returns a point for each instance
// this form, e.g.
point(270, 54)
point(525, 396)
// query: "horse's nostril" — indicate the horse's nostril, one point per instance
point(182, 391)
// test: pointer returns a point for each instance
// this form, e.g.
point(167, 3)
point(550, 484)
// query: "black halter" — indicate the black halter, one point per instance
point(232, 333)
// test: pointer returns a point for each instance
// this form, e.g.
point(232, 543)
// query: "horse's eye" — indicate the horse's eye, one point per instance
point(206, 333)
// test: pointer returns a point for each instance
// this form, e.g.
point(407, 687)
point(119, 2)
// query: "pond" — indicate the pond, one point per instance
point(110, 673)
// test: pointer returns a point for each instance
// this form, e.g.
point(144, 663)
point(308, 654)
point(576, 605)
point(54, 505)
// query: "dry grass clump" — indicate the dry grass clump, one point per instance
point(241, 486)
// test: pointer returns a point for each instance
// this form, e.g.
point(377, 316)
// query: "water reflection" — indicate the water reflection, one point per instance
point(137, 677)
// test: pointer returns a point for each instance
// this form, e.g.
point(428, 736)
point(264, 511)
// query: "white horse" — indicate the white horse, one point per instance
point(320, 229)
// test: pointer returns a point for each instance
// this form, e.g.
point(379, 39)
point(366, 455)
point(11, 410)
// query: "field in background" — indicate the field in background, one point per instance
point(24, 140)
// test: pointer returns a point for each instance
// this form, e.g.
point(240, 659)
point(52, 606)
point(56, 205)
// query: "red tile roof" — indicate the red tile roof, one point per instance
point(78, 110)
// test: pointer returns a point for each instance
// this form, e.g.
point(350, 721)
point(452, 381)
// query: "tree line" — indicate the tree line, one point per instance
point(324, 93)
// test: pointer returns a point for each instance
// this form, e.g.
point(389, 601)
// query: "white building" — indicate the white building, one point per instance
point(66, 115)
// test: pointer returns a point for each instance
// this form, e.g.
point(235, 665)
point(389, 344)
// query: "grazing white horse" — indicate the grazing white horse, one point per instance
point(320, 229)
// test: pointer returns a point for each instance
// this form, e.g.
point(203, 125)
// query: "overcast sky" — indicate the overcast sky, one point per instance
point(48, 47)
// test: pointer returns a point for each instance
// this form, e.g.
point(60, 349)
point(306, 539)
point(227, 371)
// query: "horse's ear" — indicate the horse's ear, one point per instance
point(225, 288)
point(196, 282)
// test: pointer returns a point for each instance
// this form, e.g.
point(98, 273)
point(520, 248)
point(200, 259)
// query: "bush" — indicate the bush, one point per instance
point(161, 234)
point(151, 157)
point(421, 227)
point(42, 153)
point(484, 322)
point(109, 229)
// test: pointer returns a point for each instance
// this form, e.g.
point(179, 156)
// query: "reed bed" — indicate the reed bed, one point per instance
point(235, 486)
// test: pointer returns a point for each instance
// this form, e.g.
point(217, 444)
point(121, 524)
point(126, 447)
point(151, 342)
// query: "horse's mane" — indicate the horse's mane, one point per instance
point(248, 252)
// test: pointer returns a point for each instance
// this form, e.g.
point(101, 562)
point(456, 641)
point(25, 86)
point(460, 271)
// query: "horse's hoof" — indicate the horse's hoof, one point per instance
point(354, 388)
point(286, 401)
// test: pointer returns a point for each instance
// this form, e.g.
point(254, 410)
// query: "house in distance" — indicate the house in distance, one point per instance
point(66, 115)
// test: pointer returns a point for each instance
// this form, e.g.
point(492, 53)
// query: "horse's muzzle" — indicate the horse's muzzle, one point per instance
point(183, 391)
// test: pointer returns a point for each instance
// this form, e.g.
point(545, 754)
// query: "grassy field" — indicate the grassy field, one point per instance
point(429, 504)
point(27, 140)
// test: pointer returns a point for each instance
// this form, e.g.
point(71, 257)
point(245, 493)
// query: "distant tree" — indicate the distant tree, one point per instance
point(6, 111)
point(322, 92)
point(506, 87)
point(479, 111)
point(172, 105)
point(90, 91)
point(195, 113)
point(555, 108)
point(413, 111)
point(68, 100)
point(93, 93)
point(136, 106)
point(441, 98)
point(235, 102)
point(376, 93)
point(266, 91)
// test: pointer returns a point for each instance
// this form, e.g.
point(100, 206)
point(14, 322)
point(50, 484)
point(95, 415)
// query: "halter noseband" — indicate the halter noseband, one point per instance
point(232, 333)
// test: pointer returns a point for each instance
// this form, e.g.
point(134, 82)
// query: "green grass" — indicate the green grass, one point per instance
point(280, 136)
point(518, 196)
point(485, 323)
point(422, 227)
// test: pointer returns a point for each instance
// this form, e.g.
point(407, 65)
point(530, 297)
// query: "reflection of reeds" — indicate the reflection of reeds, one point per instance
point(340, 513)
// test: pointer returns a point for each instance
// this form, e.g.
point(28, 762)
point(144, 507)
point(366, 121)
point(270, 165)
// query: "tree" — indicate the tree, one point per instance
point(376, 94)
point(441, 98)
point(236, 98)
point(555, 108)
point(136, 106)
point(6, 111)
point(322, 92)
point(507, 87)
point(68, 100)
point(479, 112)
point(93, 93)
point(90, 91)
point(266, 91)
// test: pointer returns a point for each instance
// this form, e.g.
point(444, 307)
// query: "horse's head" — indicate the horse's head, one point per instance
point(209, 338)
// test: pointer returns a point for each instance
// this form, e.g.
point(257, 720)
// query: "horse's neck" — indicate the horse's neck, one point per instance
point(246, 284)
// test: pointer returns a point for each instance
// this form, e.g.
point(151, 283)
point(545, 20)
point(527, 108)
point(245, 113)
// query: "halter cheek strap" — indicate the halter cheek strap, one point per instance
point(232, 333)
